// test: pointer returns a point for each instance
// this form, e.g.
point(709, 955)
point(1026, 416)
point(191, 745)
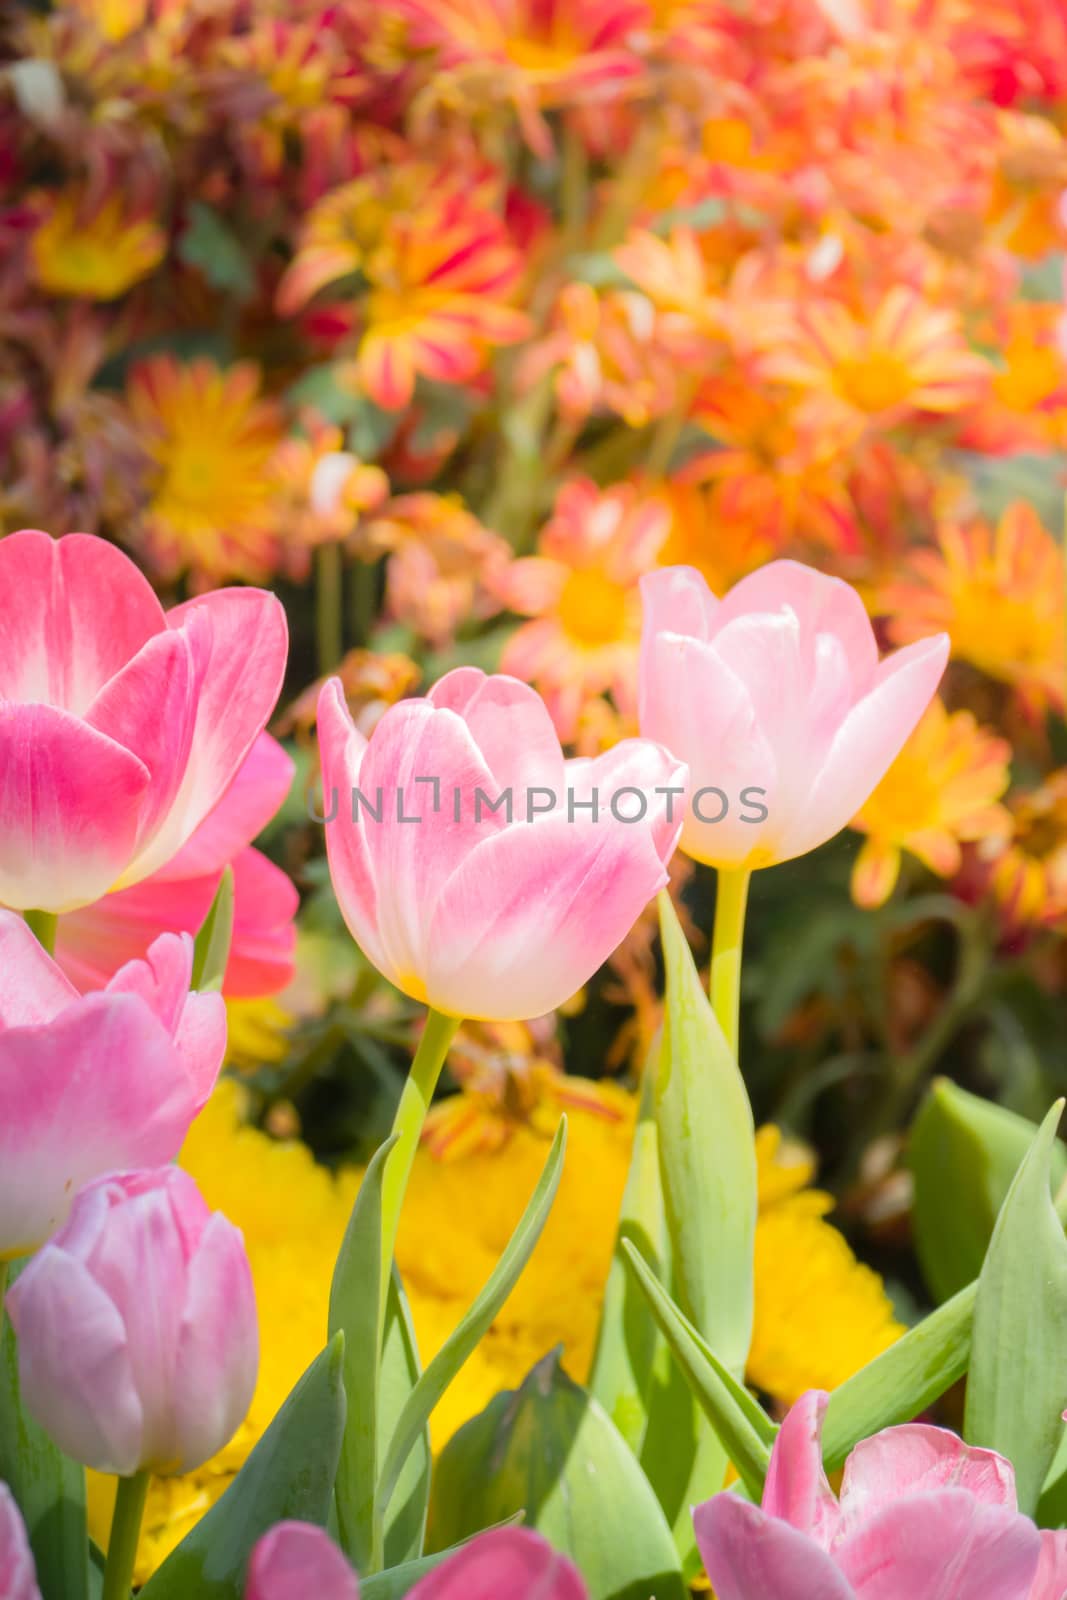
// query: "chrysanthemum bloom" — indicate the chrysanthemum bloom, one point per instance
point(907, 356)
point(523, 871)
point(999, 593)
point(441, 269)
point(136, 1326)
point(1026, 408)
point(776, 699)
point(16, 1558)
point(723, 548)
point(211, 437)
point(121, 726)
point(93, 254)
point(1027, 870)
point(582, 590)
point(940, 792)
point(88, 1084)
point(441, 563)
point(296, 1559)
point(324, 490)
point(918, 1509)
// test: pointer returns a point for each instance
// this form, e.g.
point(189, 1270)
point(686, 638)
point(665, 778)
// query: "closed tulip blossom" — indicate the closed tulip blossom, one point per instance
point(296, 1560)
point(477, 869)
point(136, 1325)
point(121, 725)
point(18, 1576)
point(777, 699)
point(921, 1515)
point(89, 1084)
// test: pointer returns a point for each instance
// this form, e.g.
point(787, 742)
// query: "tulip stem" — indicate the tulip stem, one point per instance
point(730, 903)
point(43, 925)
point(3, 1291)
point(329, 606)
point(125, 1532)
point(407, 1125)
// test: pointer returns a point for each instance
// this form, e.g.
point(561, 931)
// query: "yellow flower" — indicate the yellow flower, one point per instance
point(258, 1031)
point(942, 790)
point(1028, 871)
point(213, 440)
point(96, 255)
point(820, 1315)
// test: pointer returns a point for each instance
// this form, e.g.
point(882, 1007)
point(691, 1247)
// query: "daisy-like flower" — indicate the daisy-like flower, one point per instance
point(442, 563)
point(1026, 406)
point(998, 593)
point(211, 438)
point(941, 791)
point(581, 590)
point(907, 356)
point(605, 350)
point(324, 488)
point(93, 253)
point(1027, 873)
point(440, 267)
point(721, 545)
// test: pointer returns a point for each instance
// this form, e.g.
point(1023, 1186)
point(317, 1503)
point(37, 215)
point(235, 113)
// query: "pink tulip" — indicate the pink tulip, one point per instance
point(295, 1560)
point(18, 1576)
point(136, 1327)
point(94, 941)
point(121, 726)
point(921, 1516)
point(776, 698)
point(478, 912)
point(91, 1083)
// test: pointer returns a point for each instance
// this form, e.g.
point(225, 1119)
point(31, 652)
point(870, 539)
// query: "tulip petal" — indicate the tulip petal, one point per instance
point(93, 942)
point(941, 1545)
point(70, 806)
point(218, 1344)
point(16, 1558)
point(32, 987)
point(196, 1022)
point(79, 610)
point(255, 795)
point(916, 1458)
point(242, 678)
point(1051, 1580)
point(513, 1562)
point(510, 724)
point(104, 1429)
point(822, 605)
point(296, 1561)
point(678, 600)
point(751, 1556)
point(797, 1490)
point(263, 947)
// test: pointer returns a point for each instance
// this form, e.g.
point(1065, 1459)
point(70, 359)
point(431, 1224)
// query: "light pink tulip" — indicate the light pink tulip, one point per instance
point(18, 1575)
point(475, 914)
point(94, 941)
point(776, 698)
point(295, 1560)
point(88, 1084)
point(921, 1516)
point(136, 1326)
point(121, 726)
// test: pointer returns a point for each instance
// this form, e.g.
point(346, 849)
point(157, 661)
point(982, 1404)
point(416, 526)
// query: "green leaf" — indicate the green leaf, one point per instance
point(627, 1338)
point(210, 245)
point(743, 1427)
point(405, 1521)
point(49, 1488)
point(394, 1583)
point(354, 1309)
point(964, 1153)
point(549, 1450)
point(211, 951)
point(1017, 1389)
point(471, 1329)
point(289, 1475)
point(707, 1158)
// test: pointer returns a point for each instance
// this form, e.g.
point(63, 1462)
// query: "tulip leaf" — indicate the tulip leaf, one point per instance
point(395, 1582)
point(211, 949)
point(468, 1333)
point(404, 1525)
point(49, 1488)
point(627, 1339)
point(354, 1309)
point(743, 1427)
point(549, 1450)
point(964, 1153)
point(289, 1475)
point(707, 1158)
point(1017, 1389)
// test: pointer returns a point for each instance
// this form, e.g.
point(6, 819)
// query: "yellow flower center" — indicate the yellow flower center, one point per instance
point(593, 608)
point(876, 382)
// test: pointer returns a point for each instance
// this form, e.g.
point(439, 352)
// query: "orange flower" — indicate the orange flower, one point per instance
point(212, 439)
point(1028, 873)
point(440, 266)
point(908, 356)
point(1027, 398)
point(442, 563)
point(674, 275)
point(607, 356)
point(942, 790)
point(323, 490)
point(582, 590)
point(722, 547)
point(93, 254)
point(998, 594)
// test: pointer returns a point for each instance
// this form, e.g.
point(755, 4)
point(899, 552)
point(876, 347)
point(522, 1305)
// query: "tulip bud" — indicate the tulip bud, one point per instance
point(18, 1576)
point(137, 1339)
point(296, 1560)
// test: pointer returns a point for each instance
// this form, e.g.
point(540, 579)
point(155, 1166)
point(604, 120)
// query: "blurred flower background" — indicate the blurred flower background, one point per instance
point(450, 319)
